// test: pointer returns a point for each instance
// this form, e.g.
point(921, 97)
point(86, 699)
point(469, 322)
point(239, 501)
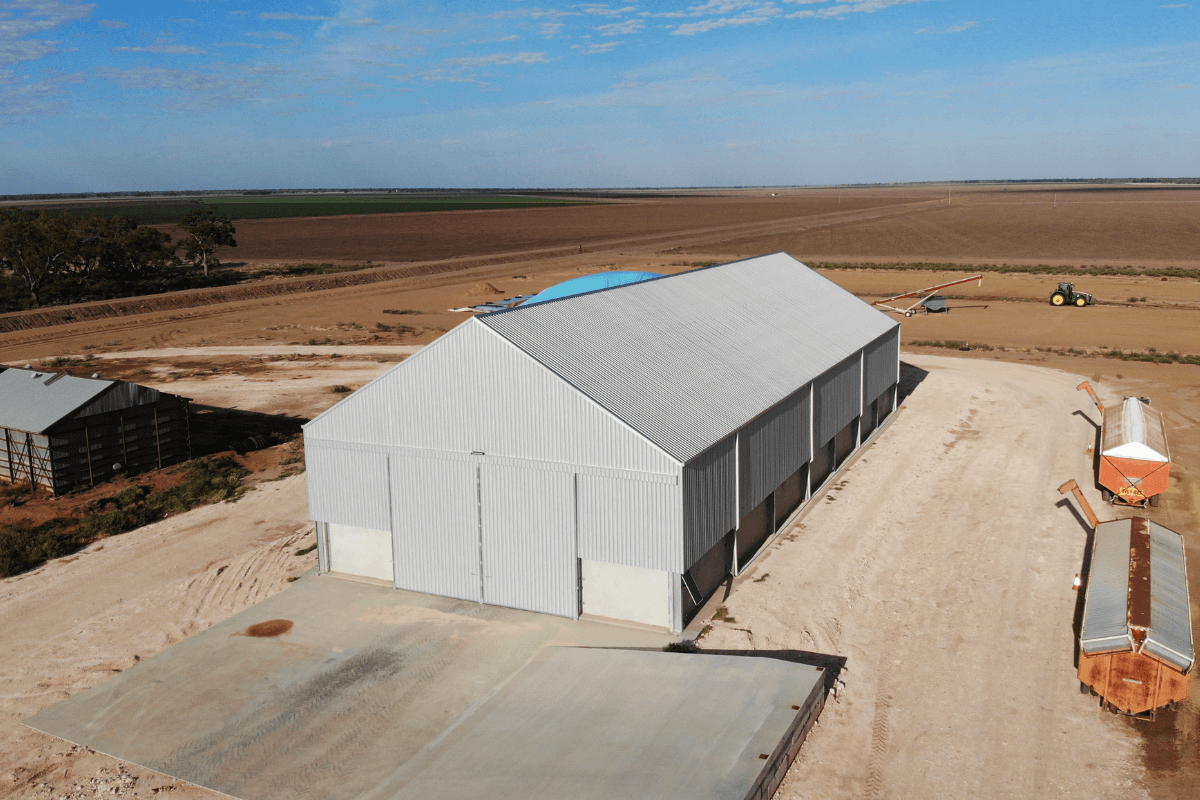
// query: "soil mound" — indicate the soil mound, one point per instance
point(485, 289)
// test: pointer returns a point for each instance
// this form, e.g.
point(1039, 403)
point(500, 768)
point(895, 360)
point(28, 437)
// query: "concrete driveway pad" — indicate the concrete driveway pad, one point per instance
point(335, 689)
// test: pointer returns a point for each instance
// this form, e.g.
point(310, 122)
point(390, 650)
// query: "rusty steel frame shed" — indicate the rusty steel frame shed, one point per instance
point(61, 431)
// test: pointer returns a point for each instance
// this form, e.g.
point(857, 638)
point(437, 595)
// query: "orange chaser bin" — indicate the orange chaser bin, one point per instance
point(1135, 462)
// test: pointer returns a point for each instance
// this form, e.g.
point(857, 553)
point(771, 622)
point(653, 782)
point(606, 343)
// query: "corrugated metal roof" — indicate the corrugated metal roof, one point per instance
point(1106, 611)
point(687, 359)
point(1106, 626)
point(33, 401)
point(1170, 636)
point(1134, 430)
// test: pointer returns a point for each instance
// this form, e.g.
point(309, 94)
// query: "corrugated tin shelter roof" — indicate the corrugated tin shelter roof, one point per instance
point(590, 283)
point(1118, 611)
point(34, 401)
point(687, 359)
point(1134, 430)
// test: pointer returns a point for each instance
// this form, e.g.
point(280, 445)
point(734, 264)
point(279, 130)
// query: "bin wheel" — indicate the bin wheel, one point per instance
point(1154, 501)
point(1106, 495)
point(1084, 688)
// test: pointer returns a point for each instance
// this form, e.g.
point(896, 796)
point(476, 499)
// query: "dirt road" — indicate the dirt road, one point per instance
point(941, 569)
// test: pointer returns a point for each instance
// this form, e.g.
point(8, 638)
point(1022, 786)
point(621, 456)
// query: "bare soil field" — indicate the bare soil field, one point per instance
point(284, 356)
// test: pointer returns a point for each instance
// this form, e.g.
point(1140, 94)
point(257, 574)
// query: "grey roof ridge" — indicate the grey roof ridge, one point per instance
point(636, 283)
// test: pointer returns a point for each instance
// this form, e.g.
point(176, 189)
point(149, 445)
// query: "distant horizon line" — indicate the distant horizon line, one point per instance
point(118, 194)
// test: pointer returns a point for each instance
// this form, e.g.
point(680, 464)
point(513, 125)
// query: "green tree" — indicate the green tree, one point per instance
point(35, 249)
point(205, 233)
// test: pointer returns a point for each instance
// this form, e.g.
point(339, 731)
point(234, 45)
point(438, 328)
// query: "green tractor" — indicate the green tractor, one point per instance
point(1065, 295)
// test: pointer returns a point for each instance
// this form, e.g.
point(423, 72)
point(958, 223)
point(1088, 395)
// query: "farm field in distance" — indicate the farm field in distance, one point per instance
point(168, 211)
point(476, 255)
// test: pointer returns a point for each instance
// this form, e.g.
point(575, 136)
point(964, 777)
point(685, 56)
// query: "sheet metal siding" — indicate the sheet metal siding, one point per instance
point(688, 359)
point(347, 487)
point(709, 499)
point(881, 359)
point(837, 399)
point(772, 447)
point(472, 391)
point(636, 523)
point(529, 540)
point(31, 400)
point(1106, 611)
point(435, 533)
point(1170, 612)
point(121, 396)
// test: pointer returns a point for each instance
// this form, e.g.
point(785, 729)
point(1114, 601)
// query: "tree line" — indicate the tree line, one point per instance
point(48, 259)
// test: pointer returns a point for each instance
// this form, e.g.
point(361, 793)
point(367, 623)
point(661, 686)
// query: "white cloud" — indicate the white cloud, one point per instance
point(363, 22)
point(602, 10)
point(1177, 5)
point(959, 28)
point(626, 28)
point(552, 29)
point(704, 26)
point(843, 8)
point(167, 49)
point(113, 23)
point(17, 30)
point(280, 35)
point(287, 15)
point(593, 49)
point(497, 59)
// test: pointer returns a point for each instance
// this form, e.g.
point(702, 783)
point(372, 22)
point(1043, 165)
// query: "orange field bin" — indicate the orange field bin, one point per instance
point(1135, 461)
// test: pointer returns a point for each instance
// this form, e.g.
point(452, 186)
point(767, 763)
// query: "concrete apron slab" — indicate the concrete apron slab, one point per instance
point(583, 723)
point(355, 681)
point(334, 689)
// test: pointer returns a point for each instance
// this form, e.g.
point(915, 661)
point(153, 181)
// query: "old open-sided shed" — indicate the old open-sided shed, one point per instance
point(61, 431)
point(616, 453)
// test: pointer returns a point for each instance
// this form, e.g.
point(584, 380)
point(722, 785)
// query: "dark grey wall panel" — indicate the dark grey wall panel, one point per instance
point(709, 498)
point(880, 361)
point(772, 447)
point(837, 398)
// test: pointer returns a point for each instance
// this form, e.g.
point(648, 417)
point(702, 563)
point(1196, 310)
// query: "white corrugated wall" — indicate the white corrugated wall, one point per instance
point(436, 525)
point(529, 559)
point(632, 522)
point(347, 486)
point(474, 391)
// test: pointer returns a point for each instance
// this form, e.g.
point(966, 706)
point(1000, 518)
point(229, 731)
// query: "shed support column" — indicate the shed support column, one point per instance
point(124, 450)
point(676, 599)
point(157, 440)
point(12, 474)
point(87, 443)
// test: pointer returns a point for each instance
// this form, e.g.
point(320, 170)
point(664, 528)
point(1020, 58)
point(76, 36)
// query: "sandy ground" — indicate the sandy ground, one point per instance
point(949, 597)
point(74, 622)
point(940, 567)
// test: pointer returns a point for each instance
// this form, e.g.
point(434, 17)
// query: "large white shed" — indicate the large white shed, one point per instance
point(617, 453)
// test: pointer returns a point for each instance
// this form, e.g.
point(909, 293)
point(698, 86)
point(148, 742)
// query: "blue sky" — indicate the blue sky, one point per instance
point(207, 94)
